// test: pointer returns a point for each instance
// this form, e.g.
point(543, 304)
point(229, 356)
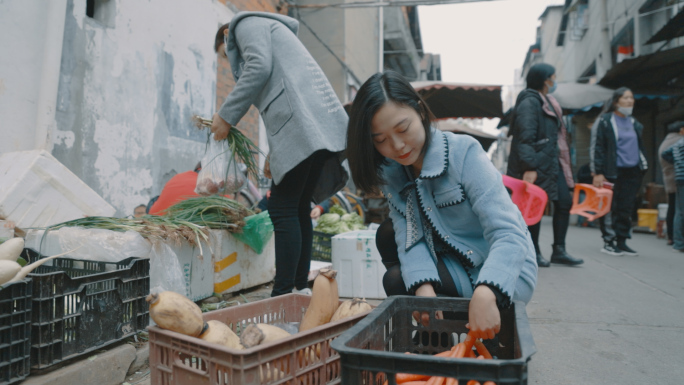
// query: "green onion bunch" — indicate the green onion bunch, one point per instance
point(242, 148)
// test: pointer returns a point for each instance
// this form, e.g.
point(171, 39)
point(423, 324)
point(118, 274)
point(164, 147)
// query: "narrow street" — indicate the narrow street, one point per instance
point(614, 319)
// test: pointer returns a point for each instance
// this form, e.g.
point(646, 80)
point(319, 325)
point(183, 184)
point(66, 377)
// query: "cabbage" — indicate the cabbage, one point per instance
point(337, 209)
point(334, 223)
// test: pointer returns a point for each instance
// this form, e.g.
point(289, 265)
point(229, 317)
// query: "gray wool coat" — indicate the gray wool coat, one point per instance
point(274, 72)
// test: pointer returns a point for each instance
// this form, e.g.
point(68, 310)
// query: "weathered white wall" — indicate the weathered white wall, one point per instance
point(131, 78)
point(22, 32)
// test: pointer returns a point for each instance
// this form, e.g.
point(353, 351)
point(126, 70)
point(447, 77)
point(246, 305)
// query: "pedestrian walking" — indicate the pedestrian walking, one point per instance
point(453, 229)
point(673, 135)
point(618, 157)
point(540, 154)
point(675, 155)
point(305, 123)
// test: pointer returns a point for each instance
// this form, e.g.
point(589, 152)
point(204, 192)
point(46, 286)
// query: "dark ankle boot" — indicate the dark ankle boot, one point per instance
point(541, 262)
point(559, 255)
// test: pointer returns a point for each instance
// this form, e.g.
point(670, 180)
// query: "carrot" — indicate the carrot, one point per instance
point(480, 357)
point(489, 383)
point(471, 354)
point(469, 341)
point(435, 381)
point(482, 349)
point(407, 377)
point(473, 382)
point(415, 383)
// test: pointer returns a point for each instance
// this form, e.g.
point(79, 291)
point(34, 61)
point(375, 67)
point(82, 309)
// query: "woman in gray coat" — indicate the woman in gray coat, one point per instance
point(305, 122)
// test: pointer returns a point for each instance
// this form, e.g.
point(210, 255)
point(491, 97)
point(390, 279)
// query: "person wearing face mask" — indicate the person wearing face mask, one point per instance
point(617, 156)
point(540, 154)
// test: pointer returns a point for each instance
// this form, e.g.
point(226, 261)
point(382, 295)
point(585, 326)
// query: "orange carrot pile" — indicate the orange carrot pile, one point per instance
point(461, 350)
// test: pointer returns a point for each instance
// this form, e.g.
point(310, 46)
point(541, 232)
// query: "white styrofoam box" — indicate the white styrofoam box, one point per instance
point(358, 264)
point(193, 276)
point(237, 266)
point(38, 191)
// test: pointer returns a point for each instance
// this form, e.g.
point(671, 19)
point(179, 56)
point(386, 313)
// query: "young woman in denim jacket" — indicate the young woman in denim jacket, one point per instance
point(453, 229)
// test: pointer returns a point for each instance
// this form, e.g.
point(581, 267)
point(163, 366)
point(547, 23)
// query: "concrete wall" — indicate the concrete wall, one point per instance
point(352, 34)
point(23, 33)
point(130, 80)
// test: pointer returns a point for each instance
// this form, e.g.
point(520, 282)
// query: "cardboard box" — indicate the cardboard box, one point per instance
point(38, 191)
point(236, 266)
point(358, 264)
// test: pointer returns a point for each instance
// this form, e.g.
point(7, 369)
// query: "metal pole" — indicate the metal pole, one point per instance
point(381, 39)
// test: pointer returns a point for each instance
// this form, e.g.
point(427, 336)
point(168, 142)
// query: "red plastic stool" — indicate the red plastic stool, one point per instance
point(530, 199)
point(596, 203)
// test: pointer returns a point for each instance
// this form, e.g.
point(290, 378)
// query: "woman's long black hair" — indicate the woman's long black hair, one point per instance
point(365, 161)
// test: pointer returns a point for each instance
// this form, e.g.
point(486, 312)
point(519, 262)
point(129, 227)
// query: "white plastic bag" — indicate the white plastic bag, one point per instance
point(220, 173)
point(166, 273)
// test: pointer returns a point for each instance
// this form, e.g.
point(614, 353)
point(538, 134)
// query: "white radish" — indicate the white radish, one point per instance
point(8, 269)
point(11, 249)
point(29, 268)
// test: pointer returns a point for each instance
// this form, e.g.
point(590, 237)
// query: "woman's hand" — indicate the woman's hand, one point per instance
point(426, 290)
point(598, 180)
point(530, 176)
point(316, 212)
point(484, 319)
point(220, 127)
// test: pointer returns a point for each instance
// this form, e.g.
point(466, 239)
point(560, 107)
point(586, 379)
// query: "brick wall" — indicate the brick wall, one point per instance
point(249, 124)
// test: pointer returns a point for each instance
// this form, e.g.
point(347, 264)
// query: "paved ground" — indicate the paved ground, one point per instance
point(614, 320)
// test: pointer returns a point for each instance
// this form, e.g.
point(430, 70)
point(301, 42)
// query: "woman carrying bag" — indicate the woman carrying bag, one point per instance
point(540, 155)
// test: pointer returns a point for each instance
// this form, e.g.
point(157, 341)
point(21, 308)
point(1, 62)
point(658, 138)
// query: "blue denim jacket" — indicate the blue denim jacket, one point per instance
point(462, 195)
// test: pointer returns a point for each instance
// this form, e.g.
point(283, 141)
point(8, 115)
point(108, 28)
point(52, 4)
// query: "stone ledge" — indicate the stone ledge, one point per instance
point(102, 368)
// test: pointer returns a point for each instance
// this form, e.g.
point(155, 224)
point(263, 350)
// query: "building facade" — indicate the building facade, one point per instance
point(615, 43)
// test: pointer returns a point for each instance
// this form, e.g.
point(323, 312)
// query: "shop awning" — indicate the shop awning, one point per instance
point(575, 96)
point(673, 28)
point(454, 100)
point(452, 125)
point(660, 73)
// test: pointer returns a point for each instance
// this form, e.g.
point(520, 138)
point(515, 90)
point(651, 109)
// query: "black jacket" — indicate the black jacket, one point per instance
point(604, 147)
point(535, 142)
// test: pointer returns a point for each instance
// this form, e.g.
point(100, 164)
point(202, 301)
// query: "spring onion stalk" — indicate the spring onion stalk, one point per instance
point(242, 148)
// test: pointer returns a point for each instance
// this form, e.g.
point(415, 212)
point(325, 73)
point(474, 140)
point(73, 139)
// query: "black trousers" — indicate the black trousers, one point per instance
point(671, 208)
point(561, 215)
point(625, 190)
point(392, 281)
point(290, 209)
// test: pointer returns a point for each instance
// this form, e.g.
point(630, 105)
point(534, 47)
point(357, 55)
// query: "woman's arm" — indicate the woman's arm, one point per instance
point(253, 36)
point(527, 125)
point(506, 233)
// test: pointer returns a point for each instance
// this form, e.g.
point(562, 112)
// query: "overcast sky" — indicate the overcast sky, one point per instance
point(482, 42)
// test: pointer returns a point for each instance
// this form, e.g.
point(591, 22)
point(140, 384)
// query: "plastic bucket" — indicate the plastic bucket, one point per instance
point(648, 218)
point(662, 211)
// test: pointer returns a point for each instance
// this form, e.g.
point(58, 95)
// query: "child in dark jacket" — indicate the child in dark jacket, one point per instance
point(675, 155)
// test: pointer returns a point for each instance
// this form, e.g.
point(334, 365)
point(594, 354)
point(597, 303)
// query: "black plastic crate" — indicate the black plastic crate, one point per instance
point(321, 249)
point(15, 331)
point(81, 305)
point(374, 350)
